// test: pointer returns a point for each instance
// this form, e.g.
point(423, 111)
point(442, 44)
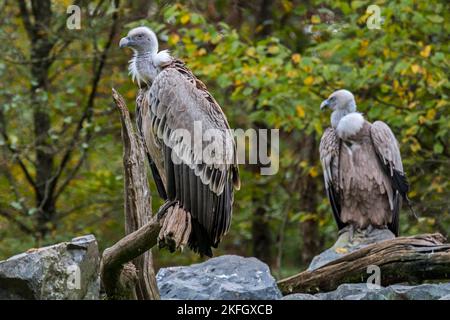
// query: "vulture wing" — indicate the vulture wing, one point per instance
point(188, 136)
point(329, 157)
point(386, 147)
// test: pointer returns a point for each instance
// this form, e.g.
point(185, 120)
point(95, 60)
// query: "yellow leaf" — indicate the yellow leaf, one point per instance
point(307, 69)
point(300, 111)
point(426, 51)
point(431, 114)
point(308, 81)
point(287, 5)
point(174, 38)
point(273, 49)
point(313, 172)
point(415, 146)
point(201, 52)
point(291, 74)
point(415, 68)
point(396, 84)
point(315, 19)
point(296, 58)
point(251, 52)
point(341, 250)
point(185, 18)
point(422, 119)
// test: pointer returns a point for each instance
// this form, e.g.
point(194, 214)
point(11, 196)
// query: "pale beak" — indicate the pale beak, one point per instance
point(324, 104)
point(124, 42)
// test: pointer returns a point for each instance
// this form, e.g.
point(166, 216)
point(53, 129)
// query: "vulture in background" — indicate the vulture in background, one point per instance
point(362, 168)
point(170, 103)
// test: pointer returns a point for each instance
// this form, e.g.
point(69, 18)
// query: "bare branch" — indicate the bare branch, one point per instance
point(25, 14)
point(16, 155)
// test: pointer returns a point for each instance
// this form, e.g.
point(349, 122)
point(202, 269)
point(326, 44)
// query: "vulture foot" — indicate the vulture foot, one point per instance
point(163, 209)
point(368, 230)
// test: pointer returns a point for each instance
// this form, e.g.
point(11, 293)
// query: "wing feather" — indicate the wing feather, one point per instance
point(387, 149)
point(329, 157)
point(176, 101)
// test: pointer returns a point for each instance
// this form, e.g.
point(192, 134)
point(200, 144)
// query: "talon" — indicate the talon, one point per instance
point(163, 209)
point(351, 233)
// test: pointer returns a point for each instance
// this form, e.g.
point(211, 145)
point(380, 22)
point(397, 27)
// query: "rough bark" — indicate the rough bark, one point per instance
point(120, 279)
point(406, 259)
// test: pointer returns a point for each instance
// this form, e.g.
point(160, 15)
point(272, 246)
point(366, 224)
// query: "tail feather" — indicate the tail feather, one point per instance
point(199, 240)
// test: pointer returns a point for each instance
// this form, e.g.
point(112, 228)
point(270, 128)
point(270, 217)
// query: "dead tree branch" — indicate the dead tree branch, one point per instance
point(119, 278)
point(406, 259)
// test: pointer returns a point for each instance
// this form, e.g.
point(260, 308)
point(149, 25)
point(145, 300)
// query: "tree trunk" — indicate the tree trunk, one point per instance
point(261, 236)
point(265, 18)
point(41, 46)
point(309, 228)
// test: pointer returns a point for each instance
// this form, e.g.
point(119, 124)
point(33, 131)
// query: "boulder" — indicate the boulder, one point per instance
point(226, 277)
point(300, 296)
point(68, 270)
point(360, 291)
point(344, 245)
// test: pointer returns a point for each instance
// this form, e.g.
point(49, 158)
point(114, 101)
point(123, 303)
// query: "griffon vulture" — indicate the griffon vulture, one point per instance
point(362, 168)
point(196, 171)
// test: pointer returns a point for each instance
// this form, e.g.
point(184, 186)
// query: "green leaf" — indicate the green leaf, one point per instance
point(438, 148)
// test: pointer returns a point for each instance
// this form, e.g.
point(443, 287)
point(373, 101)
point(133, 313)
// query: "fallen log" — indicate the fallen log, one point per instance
point(405, 259)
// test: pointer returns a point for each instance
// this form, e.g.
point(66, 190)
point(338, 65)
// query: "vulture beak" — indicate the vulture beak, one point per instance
point(324, 104)
point(124, 42)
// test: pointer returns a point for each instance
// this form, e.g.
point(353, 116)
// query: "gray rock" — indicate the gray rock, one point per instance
point(68, 270)
point(225, 277)
point(300, 296)
point(345, 246)
point(360, 291)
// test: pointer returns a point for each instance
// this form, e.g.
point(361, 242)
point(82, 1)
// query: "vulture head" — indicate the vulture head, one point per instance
point(342, 100)
point(141, 40)
point(147, 62)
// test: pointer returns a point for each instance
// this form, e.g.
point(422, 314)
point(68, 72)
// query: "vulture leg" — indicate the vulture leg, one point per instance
point(368, 230)
point(351, 233)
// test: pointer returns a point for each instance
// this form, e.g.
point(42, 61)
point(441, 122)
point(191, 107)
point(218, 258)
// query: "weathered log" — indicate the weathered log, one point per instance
point(137, 280)
point(405, 259)
point(117, 285)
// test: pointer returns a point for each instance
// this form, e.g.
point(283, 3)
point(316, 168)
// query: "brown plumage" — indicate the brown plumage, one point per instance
point(362, 167)
point(170, 103)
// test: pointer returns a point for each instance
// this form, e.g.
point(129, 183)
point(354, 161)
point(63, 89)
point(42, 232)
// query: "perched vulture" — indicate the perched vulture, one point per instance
point(362, 168)
point(194, 171)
